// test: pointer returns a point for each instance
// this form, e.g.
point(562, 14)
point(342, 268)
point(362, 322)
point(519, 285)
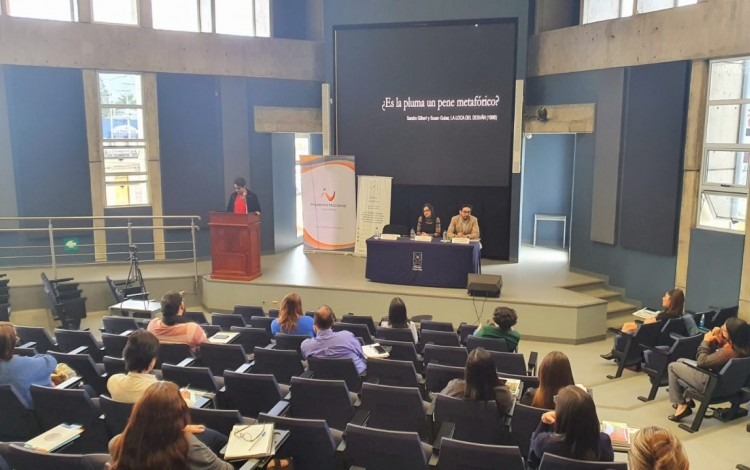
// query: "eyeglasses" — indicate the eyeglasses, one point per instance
point(247, 436)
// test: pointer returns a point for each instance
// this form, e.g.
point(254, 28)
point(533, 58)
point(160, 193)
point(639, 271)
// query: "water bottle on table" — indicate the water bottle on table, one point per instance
point(412, 234)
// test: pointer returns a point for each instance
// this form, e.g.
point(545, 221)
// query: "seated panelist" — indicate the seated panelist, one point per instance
point(428, 223)
point(464, 225)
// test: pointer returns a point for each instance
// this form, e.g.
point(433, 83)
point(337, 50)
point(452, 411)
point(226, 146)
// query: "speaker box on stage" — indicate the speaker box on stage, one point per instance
point(484, 285)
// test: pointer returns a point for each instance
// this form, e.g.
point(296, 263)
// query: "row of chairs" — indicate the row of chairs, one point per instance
point(67, 305)
point(4, 298)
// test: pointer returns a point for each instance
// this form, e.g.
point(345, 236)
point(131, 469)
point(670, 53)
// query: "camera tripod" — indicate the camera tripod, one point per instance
point(134, 286)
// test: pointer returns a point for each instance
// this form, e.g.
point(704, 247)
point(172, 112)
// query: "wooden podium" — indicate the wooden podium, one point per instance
point(235, 246)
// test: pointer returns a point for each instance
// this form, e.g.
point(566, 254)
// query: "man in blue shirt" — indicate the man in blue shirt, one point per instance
point(333, 344)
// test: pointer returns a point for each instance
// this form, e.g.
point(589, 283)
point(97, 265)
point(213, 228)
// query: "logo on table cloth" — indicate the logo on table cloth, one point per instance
point(416, 261)
point(330, 197)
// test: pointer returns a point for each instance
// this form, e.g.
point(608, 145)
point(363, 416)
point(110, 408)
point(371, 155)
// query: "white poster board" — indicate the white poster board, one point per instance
point(373, 209)
point(328, 198)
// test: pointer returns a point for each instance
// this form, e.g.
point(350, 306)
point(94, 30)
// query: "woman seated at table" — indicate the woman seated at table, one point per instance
point(397, 318)
point(292, 319)
point(673, 306)
point(571, 431)
point(554, 374)
point(159, 436)
point(428, 223)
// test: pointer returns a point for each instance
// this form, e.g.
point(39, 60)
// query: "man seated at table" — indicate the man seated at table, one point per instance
point(464, 225)
point(333, 344)
point(172, 328)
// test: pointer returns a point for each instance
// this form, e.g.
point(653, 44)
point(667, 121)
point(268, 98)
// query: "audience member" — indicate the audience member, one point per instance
point(501, 327)
point(172, 327)
point(159, 436)
point(140, 356)
point(21, 371)
point(292, 319)
point(655, 448)
point(554, 374)
point(572, 430)
point(673, 306)
point(397, 318)
point(481, 383)
point(718, 347)
point(333, 344)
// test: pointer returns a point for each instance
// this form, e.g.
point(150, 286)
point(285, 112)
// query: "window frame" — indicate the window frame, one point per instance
point(137, 23)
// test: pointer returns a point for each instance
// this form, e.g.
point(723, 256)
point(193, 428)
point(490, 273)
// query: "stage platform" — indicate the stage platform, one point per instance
point(536, 287)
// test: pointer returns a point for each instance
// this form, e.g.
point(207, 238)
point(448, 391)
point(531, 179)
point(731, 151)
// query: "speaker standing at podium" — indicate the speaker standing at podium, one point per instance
point(242, 200)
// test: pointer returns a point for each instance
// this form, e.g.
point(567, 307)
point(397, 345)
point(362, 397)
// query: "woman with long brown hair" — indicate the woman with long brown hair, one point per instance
point(158, 437)
point(397, 318)
point(481, 383)
point(572, 430)
point(554, 374)
point(292, 319)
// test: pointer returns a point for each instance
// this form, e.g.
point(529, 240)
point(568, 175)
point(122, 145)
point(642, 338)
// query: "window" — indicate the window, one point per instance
point(243, 17)
point(600, 10)
point(61, 10)
point(726, 149)
point(123, 139)
point(301, 147)
point(176, 15)
point(115, 11)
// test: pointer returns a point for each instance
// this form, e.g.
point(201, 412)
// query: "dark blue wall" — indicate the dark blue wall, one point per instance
point(547, 185)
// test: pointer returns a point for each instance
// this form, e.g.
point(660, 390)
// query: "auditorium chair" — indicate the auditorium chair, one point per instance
point(394, 334)
point(211, 330)
point(628, 350)
point(196, 317)
point(403, 351)
point(116, 414)
point(250, 338)
point(321, 399)
point(381, 449)
point(24, 351)
point(657, 360)
point(524, 422)
point(396, 229)
point(114, 365)
point(221, 357)
point(289, 342)
point(673, 326)
point(460, 455)
point(19, 423)
point(119, 325)
point(556, 462)
point(446, 355)
point(437, 376)
point(528, 381)
point(436, 326)
point(41, 339)
point(273, 313)
point(328, 368)
point(5, 311)
point(20, 457)
point(359, 331)
point(93, 374)
point(360, 320)
point(113, 344)
point(472, 421)
point(393, 372)
point(252, 394)
point(198, 378)
point(395, 408)
point(218, 420)
point(311, 443)
point(490, 344)
point(75, 340)
point(513, 363)
point(464, 331)
point(261, 322)
point(282, 364)
point(720, 317)
point(174, 353)
point(248, 311)
point(227, 320)
point(440, 338)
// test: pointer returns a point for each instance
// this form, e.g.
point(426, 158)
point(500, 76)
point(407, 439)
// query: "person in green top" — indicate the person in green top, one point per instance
point(501, 327)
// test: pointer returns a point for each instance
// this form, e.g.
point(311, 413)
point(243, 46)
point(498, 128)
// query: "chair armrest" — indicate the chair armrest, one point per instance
point(187, 362)
point(202, 402)
point(64, 279)
point(271, 345)
point(663, 352)
point(126, 333)
point(701, 369)
point(79, 350)
point(244, 368)
point(308, 374)
point(617, 331)
point(72, 382)
point(29, 345)
point(372, 380)
point(677, 336)
point(446, 430)
point(531, 365)
point(360, 417)
point(279, 409)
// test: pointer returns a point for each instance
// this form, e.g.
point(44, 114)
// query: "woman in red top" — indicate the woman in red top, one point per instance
point(247, 201)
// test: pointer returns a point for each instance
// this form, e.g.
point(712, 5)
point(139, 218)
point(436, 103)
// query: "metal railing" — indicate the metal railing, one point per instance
point(22, 247)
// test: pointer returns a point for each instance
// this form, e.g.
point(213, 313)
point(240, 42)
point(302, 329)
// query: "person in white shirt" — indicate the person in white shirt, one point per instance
point(140, 355)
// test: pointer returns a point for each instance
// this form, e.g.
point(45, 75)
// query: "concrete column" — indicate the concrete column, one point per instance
point(96, 165)
point(145, 15)
point(85, 11)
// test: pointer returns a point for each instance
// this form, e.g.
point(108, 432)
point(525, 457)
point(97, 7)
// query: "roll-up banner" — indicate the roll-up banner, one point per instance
point(373, 209)
point(328, 198)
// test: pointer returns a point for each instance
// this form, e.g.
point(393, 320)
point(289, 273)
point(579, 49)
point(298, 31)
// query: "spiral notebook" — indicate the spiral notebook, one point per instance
point(250, 441)
point(55, 438)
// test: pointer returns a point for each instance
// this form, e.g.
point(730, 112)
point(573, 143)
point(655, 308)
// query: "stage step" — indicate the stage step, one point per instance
point(619, 310)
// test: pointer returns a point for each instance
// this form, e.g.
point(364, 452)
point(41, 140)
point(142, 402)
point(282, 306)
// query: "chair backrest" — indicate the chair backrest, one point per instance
point(648, 333)
point(18, 351)
point(673, 325)
point(436, 326)
point(732, 377)
point(360, 331)
point(475, 421)
point(173, 353)
point(69, 340)
point(441, 338)
point(394, 408)
point(218, 420)
point(20, 457)
point(116, 292)
point(722, 316)
point(117, 325)
point(437, 376)
point(289, 342)
point(686, 347)
point(211, 330)
point(327, 368)
point(199, 378)
point(378, 449)
point(4, 311)
point(402, 351)
point(282, 364)
point(310, 442)
point(273, 313)
point(251, 394)
point(394, 334)
point(392, 372)
point(360, 320)
point(509, 363)
point(84, 365)
point(321, 399)
point(490, 344)
point(248, 311)
point(523, 423)
point(114, 344)
point(251, 337)
point(116, 414)
point(261, 322)
point(446, 355)
point(556, 462)
point(114, 365)
point(18, 422)
point(461, 455)
point(529, 381)
point(219, 357)
point(196, 317)
point(227, 320)
point(44, 342)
